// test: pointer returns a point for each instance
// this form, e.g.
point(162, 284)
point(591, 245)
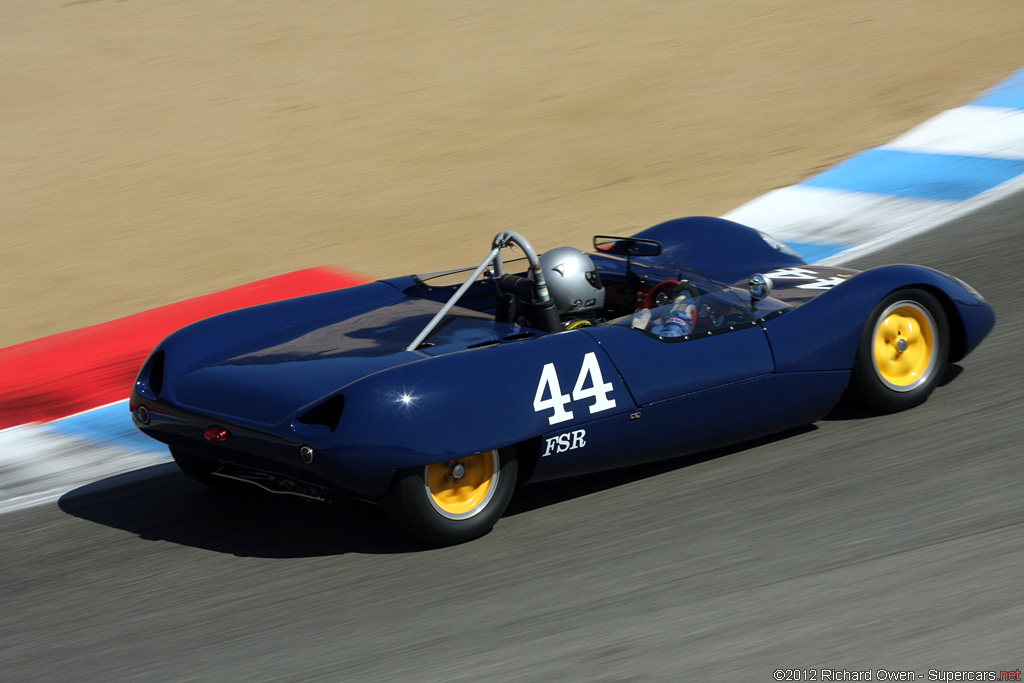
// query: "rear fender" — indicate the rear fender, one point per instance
point(470, 402)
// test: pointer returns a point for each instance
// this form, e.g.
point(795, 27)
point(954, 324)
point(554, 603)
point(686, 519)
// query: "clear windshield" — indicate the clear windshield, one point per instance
point(690, 317)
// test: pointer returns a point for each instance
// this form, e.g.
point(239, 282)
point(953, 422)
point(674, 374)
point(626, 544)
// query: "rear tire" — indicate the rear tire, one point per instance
point(903, 352)
point(453, 501)
point(199, 468)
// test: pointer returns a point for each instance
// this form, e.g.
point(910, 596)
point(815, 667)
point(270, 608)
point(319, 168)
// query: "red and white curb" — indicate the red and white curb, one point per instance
point(64, 419)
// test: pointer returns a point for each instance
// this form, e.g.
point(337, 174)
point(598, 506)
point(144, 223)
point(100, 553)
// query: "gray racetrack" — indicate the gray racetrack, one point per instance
point(890, 542)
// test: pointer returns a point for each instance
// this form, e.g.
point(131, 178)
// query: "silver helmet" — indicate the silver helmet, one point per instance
point(573, 281)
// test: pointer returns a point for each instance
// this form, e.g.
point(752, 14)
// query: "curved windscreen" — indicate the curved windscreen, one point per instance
point(692, 317)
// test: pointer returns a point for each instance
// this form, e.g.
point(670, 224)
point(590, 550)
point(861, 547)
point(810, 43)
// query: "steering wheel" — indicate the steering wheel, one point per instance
point(660, 294)
point(663, 292)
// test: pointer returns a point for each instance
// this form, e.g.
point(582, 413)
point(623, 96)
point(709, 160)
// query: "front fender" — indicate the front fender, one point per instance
point(823, 333)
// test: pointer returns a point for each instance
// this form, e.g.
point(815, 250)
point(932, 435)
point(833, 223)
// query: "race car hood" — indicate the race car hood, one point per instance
point(269, 372)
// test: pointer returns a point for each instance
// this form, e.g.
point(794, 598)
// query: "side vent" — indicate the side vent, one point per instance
point(151, 377)
point(327, 413)
point(156, 373)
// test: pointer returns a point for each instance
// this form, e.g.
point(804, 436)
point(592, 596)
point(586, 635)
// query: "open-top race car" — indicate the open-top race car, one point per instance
point(437, 398)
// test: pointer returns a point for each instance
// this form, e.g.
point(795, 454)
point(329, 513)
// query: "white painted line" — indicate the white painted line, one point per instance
point(991, 132)
point(924, 224)
point(38, 467)
point(803, 213)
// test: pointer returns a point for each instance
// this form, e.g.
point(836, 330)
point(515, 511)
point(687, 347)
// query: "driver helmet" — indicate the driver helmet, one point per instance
point(573, 281)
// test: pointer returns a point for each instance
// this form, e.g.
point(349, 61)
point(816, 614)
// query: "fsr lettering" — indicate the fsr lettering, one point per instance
point(569, 441)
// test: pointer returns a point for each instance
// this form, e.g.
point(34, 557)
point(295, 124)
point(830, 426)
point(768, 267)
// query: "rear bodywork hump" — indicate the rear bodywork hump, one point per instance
point(268, 362)
point(721, 249)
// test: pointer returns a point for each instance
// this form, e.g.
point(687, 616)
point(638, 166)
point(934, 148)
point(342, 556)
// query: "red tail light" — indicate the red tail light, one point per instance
point(216, 434)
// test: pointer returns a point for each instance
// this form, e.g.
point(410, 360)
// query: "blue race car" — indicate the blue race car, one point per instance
point(436, 395)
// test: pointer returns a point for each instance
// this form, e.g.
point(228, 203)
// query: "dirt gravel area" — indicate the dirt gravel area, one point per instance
point(155, 151)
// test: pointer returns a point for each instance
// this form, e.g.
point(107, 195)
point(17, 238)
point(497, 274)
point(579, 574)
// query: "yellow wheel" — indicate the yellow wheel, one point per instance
point(905, 346)
point(902, 353)
point(453, 501)
point(461, 488)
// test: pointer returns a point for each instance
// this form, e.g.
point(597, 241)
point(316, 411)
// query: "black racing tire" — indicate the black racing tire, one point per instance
point(903, 352)
point(199, 468)
point(436, 506)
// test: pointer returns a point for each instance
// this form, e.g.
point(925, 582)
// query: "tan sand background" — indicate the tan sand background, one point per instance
point(155, 150)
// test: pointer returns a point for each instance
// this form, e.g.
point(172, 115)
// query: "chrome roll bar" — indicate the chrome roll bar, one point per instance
point(501, 240)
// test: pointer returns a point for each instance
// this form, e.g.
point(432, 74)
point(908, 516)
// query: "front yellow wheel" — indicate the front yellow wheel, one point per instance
point(905, 346)
point(458, 489)
point(903, 351)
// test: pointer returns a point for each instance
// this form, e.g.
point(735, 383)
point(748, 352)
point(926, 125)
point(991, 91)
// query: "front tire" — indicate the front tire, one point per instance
point(453, 501)
point(903, 351)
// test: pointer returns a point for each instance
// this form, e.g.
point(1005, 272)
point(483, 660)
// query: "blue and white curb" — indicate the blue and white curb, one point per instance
point(943, 169)
point(41, 462)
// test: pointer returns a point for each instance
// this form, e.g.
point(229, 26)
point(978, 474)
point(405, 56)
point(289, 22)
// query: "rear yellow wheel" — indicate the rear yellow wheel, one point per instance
point(453, 501)
point(905, 346)
point(461, 488)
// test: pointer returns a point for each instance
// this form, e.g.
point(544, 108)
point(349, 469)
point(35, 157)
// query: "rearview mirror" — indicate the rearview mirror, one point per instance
point(626, 246)
point(760, 286)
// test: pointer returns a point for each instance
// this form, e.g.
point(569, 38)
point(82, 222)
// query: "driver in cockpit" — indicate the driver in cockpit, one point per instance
point(574, 285)
point(675, 319)
point(679, 321)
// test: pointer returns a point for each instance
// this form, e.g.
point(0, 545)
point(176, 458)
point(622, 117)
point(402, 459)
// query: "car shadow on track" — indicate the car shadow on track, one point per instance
point(541, 495)
point(160, 503)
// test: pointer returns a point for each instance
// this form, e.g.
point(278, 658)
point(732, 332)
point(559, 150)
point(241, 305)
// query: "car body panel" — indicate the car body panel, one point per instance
point(714, 418)
point(278, 374)
point(823, 333)
point(469, 408)
point(719, 248)
point(657, 370)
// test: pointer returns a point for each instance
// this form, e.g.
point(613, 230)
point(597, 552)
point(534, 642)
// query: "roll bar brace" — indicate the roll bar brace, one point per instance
point(542, 301)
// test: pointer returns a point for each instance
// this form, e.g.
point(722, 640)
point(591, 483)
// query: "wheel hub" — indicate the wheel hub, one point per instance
point(905, 346)
point(458, 489)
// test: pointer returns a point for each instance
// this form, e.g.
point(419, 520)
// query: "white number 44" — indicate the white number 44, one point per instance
point(589, 384)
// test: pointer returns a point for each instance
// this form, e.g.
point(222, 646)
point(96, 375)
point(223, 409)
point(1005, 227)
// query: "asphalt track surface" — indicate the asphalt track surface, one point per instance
point(862, 542)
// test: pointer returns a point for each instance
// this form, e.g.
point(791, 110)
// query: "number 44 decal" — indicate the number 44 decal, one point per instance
point(589, 384)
